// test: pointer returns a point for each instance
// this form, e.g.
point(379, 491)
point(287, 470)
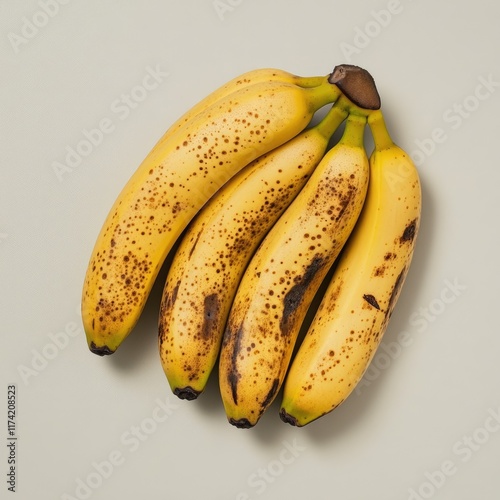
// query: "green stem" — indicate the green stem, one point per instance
point(353, 135)
point(309, 81)
point(339, 111)
point(332, 120)
point(322, 94)
point(381, 138)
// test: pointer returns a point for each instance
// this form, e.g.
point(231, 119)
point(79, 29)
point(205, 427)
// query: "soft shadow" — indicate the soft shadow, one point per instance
point(270, 431)
point(209, 402)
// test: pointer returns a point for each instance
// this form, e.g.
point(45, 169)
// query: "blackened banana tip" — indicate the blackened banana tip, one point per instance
point(288, 419)
point(187, 393)
point(100, 350)
point(242, 423)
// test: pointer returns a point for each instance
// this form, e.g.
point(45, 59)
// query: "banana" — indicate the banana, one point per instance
point(170, 186)
point(355, 310)
point(244, 80)
point(217, 246)
point(284, 274)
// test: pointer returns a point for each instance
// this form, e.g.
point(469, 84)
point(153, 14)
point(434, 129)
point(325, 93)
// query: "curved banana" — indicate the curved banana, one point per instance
point(252, 77)
point(284, 274)
point(217, 246)
point(353, 315)
point(169, 188)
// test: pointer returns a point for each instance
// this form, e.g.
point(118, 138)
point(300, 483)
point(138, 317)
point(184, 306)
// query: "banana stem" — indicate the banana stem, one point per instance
point(322, 94)
point(381, 138)
point(332, 120)
point(307, 82)
point(342, 108)
point(354, 131)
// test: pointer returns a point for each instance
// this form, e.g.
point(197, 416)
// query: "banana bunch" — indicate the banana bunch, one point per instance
point(246, 118)
point(261, 208)
point(211, 258)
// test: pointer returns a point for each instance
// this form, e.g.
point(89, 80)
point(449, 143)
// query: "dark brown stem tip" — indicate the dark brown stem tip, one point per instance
point(357, 85)
point(103, 350)
point(187, 393)
point(288, 419)
point(242, 423)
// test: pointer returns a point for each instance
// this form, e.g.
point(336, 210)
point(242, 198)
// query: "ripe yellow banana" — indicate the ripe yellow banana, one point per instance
point(353, 315)
point(244, 80)
point(285, 273)
point(252, 77)
point(171, 185)
point(217, 246)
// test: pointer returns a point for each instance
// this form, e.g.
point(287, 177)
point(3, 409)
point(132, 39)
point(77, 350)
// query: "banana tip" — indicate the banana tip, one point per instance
point(103, 350)
point(288, 419)
point(241, 423)
point(187, 393)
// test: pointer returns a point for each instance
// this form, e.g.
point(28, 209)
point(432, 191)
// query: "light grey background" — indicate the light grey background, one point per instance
point(424, 423)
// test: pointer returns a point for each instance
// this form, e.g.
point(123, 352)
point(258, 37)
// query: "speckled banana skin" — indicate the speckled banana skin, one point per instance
point(169, 188)
point(214, 252)
point(283, 276)
point(252, 77)
point(354, 313)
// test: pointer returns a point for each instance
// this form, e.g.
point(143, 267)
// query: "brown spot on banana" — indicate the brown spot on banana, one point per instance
point(372, 301)
point(194, 245)
point(170, 299)
point(345, 202)
point(232, 374)
point(271, 394)
point(398, 284)
point(335, 294)
point(409, 232)
point(211, 307)
point(167, 303)
point(294, 296)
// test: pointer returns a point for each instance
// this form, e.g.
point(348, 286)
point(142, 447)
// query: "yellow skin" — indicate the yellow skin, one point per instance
point(214, 252)
point(170, 186)
point(249, 78)
point(355, 310)
point(283, 276)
